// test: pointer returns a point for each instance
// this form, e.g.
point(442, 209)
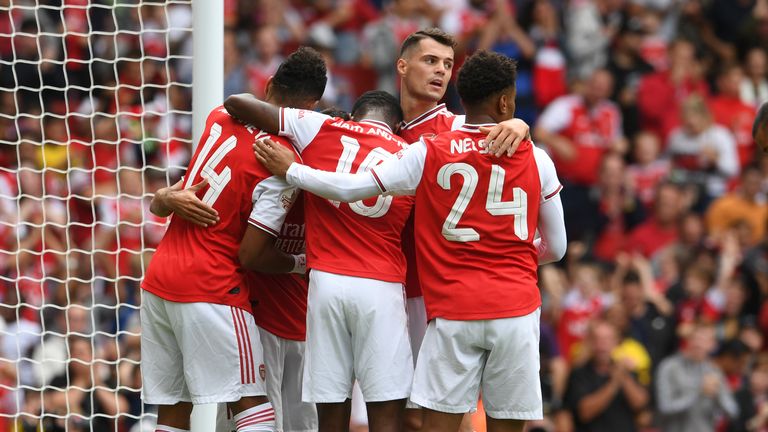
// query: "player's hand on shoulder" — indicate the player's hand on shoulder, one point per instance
point(185, 204)
point(506, 136)
point(275, 157)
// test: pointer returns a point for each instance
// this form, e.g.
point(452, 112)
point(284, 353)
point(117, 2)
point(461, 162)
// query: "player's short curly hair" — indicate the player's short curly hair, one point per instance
point(381, 103)
point(302, 76)
point(483, 75)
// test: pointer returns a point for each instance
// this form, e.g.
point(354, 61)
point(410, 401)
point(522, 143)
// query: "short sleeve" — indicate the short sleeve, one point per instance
point(557, 116)
point(401, 175)
point(301, 126)
point(550, 184)
point(272, 199)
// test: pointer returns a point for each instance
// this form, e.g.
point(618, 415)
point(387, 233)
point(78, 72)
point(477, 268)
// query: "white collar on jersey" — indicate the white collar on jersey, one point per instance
point(378, 123)
point(423, 117)
point(466, 127)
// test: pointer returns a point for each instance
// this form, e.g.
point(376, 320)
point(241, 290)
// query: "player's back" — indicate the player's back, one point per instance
point(361, 238)
point(476, 217)
point(196, 264)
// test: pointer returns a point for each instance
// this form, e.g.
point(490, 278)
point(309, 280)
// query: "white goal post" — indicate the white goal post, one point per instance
point(100, 101)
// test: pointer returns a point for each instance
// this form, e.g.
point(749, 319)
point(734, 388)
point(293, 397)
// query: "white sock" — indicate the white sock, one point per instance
point(163, 428)
point(258, 418)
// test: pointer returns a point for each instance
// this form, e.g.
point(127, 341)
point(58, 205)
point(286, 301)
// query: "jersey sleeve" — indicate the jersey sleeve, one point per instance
point(272, 199)
point(401, 175)
point(550, 184)
point(345, 187)
point(301, 126)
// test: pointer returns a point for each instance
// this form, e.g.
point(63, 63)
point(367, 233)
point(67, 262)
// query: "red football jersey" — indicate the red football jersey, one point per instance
point(737, 117)
point(280, 300)
point(362, 238)
point(432, 122)
point(475, 218)
point(196, 264)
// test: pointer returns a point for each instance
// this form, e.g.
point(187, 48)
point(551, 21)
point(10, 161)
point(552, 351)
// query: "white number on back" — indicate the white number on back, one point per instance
point(518, 207)
point(349, 153)
point(216, 181)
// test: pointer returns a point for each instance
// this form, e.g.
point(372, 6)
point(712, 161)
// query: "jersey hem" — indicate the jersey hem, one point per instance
point(193, 299)
point(481, 316)
point(384, 277)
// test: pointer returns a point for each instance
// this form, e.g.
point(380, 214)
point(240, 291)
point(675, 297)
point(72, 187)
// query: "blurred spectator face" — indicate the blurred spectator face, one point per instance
point(544, 13)
point(682, 55)
point(668, 201)
point(758, 381)
point(751, 182)
point(734, 297)
point(587, 280)
point(695, 116)
point(81, 355)
point(599, 87)
point(603, 339)
point(632, 295)
point(646, 148)
point(692, 229)
point(696, 282)
point(267, 42)
point(612, 172)
point(426, 68)
point(756, 64)
point(701, 342)
point(729, 81)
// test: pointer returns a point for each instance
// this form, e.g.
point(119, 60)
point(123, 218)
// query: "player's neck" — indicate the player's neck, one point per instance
point(414, 107)
point(479, 118)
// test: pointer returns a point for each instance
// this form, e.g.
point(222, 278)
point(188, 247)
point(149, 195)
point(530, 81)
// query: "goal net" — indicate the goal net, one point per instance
point(95, 114)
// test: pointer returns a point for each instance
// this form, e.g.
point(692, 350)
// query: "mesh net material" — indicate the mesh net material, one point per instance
point(95, 114)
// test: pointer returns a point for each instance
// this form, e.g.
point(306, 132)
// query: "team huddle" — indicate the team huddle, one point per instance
point(397, 248)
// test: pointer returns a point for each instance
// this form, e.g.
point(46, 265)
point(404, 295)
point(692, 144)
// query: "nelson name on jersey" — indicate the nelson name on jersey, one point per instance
point(467, 144)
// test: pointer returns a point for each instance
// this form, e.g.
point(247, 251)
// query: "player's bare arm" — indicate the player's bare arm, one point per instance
point(259, 253)
point(275, 157)
point(184, 203)
point(507, 136)
point(248, 109)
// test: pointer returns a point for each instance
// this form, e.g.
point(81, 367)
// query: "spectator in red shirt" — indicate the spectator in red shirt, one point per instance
point(661, 94)
point(729, 111)
point(662, 228)
point(579, 129)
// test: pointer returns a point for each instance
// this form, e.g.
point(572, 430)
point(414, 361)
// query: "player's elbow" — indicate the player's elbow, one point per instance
point(233, 104)
point(558, 251)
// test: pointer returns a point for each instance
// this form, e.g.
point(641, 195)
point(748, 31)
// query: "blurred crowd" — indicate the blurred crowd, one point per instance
point(646, 106)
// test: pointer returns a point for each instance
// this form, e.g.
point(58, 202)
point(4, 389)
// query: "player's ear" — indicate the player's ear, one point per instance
point(401, 66)
point(268, 87)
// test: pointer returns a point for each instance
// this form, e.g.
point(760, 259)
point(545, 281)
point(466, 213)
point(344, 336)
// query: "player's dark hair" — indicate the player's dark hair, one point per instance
point(380, 104)
point(433, 33)
point(760, 119)
point(336, 112)
point(484, 75)
point(301, 77)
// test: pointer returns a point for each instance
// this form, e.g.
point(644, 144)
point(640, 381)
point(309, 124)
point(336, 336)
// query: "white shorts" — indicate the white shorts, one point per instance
point(356, 329)
point(499, 357)
point(284, 359)
point(198, 352)
point(417, 324)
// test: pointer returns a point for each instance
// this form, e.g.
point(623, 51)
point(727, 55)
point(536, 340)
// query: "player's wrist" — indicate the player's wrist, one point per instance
point(299, 264)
